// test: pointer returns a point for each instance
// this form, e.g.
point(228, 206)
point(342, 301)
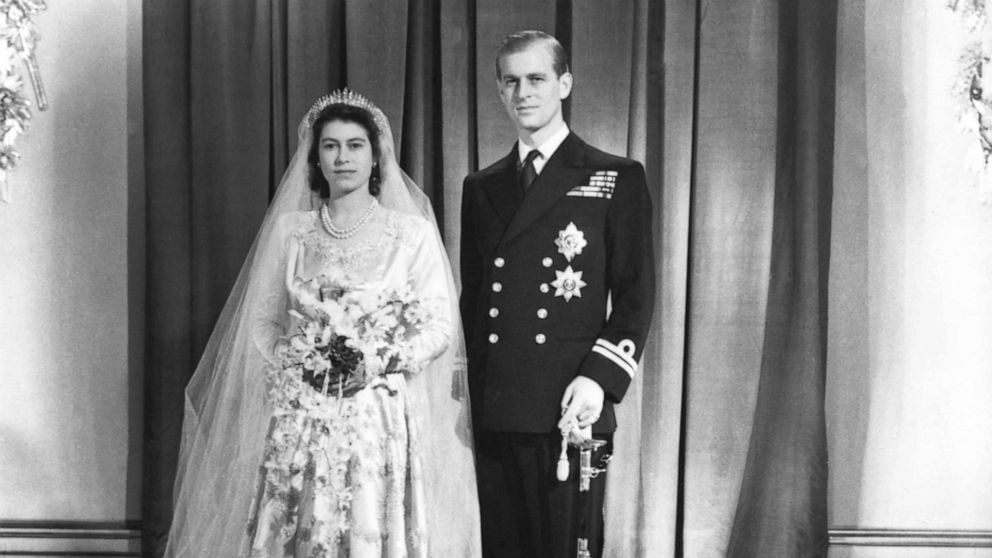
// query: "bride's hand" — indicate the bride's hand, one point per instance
point(373, 366)
point(305, 293)
point(352, 384)
point(280, 347)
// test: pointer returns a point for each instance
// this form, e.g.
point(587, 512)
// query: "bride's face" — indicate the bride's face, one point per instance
point(345, 156)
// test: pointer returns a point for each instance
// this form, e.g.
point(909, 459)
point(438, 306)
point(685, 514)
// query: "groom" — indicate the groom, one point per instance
point(557, 289)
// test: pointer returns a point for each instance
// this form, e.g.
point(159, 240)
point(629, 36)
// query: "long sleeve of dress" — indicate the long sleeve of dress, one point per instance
point(429, 281)
point(270, 314)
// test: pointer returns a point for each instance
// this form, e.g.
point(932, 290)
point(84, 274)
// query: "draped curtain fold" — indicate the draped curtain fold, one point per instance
point(729, 106)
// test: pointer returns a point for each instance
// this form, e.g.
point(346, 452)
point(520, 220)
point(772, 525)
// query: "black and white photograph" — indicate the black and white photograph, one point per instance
point(496, 278)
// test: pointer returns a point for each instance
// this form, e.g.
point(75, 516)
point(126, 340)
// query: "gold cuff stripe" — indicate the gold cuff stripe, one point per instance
point(612, 352)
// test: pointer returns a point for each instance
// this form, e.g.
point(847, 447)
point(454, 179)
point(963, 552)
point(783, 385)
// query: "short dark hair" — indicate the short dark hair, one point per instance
point(344, 113)
point(522, 40)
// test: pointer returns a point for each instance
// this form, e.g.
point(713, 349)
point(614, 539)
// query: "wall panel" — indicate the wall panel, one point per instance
point(69, 407)
point(910, 364)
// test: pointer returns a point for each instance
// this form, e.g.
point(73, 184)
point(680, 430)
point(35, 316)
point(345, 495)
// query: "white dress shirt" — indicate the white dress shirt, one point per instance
point(547, 149)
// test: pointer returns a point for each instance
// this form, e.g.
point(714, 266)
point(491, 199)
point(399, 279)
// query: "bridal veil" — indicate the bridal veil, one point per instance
point(226, 417)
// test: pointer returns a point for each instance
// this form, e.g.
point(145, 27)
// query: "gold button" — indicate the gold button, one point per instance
point(497, 287)
point(493, 338)
point(545, 288)
point(540, 338)
point(499, 262)
point(546, 262)
point(542, 313)
point(493, 312)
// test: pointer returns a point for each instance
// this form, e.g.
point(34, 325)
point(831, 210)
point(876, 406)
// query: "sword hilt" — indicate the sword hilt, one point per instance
point(586, 470)
point(581, 438)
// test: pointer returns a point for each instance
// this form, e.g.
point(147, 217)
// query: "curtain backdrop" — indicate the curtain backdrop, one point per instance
point(729, 105)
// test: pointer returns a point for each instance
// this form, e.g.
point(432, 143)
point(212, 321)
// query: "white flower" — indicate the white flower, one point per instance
point(337, 314)
point(301, 343)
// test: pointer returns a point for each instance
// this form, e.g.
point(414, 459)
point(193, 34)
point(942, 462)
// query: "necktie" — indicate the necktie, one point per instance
point(527, 172)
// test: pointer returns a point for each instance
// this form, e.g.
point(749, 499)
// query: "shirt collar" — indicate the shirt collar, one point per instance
point(547, 148)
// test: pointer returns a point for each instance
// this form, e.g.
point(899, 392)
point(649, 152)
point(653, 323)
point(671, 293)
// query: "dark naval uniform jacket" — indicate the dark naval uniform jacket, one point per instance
point(556, 282)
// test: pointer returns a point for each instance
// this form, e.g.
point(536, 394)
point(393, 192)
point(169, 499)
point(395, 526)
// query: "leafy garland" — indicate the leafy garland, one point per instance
point(974, 103)
point(18, 38)
point(971, 12)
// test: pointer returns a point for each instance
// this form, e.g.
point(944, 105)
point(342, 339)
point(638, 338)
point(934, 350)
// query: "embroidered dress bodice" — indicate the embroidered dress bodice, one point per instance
point(357, 255)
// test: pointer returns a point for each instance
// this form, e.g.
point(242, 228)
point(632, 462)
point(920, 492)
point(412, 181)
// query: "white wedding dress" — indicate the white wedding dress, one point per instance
point(377, 474)
point(346, 479)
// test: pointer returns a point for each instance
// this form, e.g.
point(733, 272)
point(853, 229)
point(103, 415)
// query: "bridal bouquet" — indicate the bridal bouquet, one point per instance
point(345, 337)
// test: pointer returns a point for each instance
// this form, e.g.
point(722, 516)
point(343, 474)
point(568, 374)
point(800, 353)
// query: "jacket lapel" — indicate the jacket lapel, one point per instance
point(562, 172)
point(501, 189)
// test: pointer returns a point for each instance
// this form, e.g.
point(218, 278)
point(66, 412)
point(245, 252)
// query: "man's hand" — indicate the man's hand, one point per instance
point(582, 401)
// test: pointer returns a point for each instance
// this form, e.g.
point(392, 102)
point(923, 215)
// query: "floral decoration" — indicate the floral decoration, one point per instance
point(971, 13)
point(972, 97)
point(345, 339)
point(18, 40)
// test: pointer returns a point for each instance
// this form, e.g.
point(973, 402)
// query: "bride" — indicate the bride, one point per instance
point(329, 414)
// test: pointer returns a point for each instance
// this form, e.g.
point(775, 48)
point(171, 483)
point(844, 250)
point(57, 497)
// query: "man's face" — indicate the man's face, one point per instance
point(530, 90)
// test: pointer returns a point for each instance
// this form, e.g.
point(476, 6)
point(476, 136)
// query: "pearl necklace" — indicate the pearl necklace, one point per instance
point(341, 234)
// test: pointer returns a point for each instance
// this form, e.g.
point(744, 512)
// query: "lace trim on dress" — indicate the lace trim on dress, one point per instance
point(349, 257)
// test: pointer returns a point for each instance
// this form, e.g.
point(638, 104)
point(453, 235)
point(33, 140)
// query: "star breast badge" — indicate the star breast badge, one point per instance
point(570, 241)
point(568, 284)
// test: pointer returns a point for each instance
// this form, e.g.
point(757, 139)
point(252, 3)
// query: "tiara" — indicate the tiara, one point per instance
point(346, 97)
